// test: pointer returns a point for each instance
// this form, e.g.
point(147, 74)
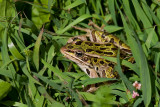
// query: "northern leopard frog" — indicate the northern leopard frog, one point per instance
point(86, 52)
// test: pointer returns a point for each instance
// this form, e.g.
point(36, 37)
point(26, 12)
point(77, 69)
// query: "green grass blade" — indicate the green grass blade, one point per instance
point(43, 92)
point(36, 50)
point(130, 15)
point(137, 102)
point(57, 72)
point(122, 76)
point(75, 4)
point(111, 6)
point(145, 77)
point(141, 59)
point(14, 50)
point(121, 94)
point(146, 22)
point(76, 21)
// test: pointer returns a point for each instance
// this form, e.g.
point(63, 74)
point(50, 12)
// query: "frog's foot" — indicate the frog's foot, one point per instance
point(96, 26)
point(92, 88)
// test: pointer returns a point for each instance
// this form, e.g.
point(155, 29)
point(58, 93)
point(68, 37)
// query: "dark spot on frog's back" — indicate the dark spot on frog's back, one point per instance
point(78, 42)
point(108, 44)
point(114, 49)
point(102, 48)
point(102, 62)
point(89, 50)
point(108, 53)
point(95, 59)
point(89, 43)
point(98, 51)
point(111, 65)
point(97, 44)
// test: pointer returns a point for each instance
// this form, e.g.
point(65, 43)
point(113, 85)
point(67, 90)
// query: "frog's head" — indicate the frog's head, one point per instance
point(75, 54)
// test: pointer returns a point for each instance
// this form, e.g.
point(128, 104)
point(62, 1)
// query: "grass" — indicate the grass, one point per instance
point(34, 73)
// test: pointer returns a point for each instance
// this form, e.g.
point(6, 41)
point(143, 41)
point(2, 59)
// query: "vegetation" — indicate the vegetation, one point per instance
point(34, 73)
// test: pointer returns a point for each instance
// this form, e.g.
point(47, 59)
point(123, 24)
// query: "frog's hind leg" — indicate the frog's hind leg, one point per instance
point(82, 29)
point(81, 37)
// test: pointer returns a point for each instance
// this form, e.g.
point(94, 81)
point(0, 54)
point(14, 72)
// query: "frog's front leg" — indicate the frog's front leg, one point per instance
point(92, 74)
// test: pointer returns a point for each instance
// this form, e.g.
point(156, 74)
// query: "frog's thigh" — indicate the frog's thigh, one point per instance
point(109, 72)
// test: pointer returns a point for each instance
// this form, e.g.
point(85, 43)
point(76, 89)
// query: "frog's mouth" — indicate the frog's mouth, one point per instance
point(70, 54)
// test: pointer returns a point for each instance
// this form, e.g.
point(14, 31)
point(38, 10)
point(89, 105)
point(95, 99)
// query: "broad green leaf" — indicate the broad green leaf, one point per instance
point(40, 15)
point(5, 88)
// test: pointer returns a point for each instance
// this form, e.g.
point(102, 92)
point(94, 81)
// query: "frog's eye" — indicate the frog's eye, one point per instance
point(79, 54)
point(78, 42)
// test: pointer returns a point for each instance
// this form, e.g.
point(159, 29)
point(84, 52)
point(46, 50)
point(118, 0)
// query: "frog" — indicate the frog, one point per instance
point(86, 51)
